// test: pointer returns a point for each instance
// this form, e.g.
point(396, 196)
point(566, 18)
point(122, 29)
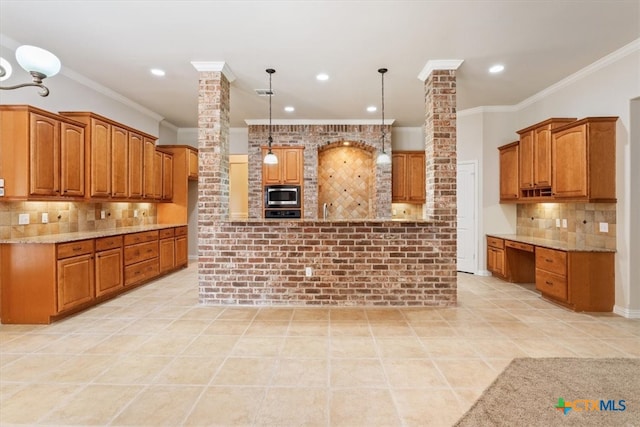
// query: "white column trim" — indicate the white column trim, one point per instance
point(439, 64)
point(215, 66)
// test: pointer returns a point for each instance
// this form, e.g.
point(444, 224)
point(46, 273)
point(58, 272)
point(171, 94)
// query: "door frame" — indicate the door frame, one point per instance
point(476, 218)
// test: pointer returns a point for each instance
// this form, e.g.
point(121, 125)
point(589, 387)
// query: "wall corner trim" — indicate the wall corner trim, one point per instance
point(215, 66)
point(629, 313)
point(439, 64)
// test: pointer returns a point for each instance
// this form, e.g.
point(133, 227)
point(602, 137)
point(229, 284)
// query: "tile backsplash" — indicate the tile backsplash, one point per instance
point(582, 223)
point(66, 217)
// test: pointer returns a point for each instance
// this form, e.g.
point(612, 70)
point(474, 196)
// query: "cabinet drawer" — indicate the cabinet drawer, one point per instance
point(166, 233)
point(495, 242)
point(145, 236)
point(140, 252)
point(141, 271)
point(181, 231)
point(551, 284)
point(66, 250)
point(107, 243)
point(551, 261)
point(520, 246)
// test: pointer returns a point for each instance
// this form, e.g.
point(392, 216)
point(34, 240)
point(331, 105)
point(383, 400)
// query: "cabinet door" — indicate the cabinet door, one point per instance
point(181, 251)
point(44, 156)
point(157, 175)
point(72, 160)
point(109, 273)
point(136, 161)
point(495, 261)
point(271, 173)
point(193, 164)
point(291, 159)
point(100, 158)
point(542, 156)
point(149, 168)
point(526, 160)
point(509, 184)
point(398, 173)
point(167, 176)
point(415, 178)
point(119, 162)
point(167, 254)
point(569, 153)
point(75, 281)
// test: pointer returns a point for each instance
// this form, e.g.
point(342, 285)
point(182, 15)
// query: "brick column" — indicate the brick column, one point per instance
point(213, 163)
point(441, 161)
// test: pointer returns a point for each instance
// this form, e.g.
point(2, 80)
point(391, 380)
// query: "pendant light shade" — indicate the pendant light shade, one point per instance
point(383, 158)
point(270, 158)
point(38, 62)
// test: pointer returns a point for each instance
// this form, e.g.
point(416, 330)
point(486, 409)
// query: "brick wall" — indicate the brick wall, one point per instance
point(314, 137)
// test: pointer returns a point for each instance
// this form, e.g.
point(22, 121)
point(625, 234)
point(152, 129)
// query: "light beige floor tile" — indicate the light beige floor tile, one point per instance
point(266, 328)
point(309, 329)
point(353, 347)
point(517, 329)
point(496, 315)
point(9, 389)
point(351, 329)
point(449, 347)
point(543, 348)
point(400, 348)
point(357, 373)
point(28, 343)
point(203, 313)
point(210, 345)
point(31, 403)
point(630, 346)
point(117, 344)
point(311, 314)
point(433, 407)
point(164, 345)
point(362, 407)
point(391, 329)
point(274, 313)
point(466, 373)
point(145, 326)
point(350, 314)
point(245, 371)
point(591, 348)
point(497, 348)
point(433, 329)
point(413, 373)
point(134, 369)
point(73, 343)
point(187, 326)
point(293, 407)
point(189, 370)
point(498, 364)
point(31, 366)
point(79, 369)
point(227, 327)
point(258, 346)
point(227, 406)
point(6, 358)
point(427, 314)
point(238, 314)
point(159, 406)
point(384, 315)
point(303, 347)
point(301, 373)
point(93, 405)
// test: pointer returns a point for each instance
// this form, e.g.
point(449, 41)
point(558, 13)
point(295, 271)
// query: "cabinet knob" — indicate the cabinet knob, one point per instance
point(549, 283)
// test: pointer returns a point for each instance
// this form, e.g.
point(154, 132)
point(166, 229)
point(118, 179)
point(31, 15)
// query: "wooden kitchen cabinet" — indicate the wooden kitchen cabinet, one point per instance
point(99, 137)
point(408, 177)
point(167, 252)
point(289, 169)
point(135, 165)
point(176, 212)
point(193, 164)
point(584, 160)
point(42, 154)
point(509, 172)
point(75, 285)
point(581, 281)
point(149, 165)
point(181, 246)
point(535, 158)
point(109, 265)
point(119, 162)
point(496, 263)
point(167, 176)
point(140, 257)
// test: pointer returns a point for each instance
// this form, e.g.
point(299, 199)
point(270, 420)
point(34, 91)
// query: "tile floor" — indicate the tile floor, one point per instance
point(155, 357)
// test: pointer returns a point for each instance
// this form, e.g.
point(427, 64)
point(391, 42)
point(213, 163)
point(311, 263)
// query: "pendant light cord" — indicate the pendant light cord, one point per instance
point(270, 95)
point(382, 71)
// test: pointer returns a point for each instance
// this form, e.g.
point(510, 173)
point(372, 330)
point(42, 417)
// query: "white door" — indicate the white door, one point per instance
point(467, 217)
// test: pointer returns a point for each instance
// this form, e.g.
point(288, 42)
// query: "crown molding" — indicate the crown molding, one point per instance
point(439, 64)
point(252, 122)
point(488, 109)
point(220, 66)
point(165, 123)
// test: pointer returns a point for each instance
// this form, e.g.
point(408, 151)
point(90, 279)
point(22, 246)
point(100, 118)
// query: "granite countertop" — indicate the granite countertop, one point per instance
point(551, 244)
point(82, 235)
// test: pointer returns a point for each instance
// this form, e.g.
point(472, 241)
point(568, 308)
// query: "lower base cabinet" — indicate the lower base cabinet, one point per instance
point(43, 282)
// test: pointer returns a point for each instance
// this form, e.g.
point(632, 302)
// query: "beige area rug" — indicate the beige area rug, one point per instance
point(561, 392)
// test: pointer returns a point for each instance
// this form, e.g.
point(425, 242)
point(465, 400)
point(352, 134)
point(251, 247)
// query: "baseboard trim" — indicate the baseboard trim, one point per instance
point(485, 273)
point(626, 312)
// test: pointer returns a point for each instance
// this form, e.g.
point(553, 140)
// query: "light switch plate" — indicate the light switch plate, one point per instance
point(1, 182)
point(45, 217)
point(103, 214)
point(23, 219)
point(308, 271)
point(604, 227)
point(564, 223)
point(558, 222)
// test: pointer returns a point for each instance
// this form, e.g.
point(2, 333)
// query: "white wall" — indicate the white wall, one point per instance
point(407, 139)
point(606, 88)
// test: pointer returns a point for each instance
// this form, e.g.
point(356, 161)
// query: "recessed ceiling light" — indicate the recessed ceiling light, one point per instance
point(289, 109)
point(372, 108)
point(158, 72)
point(496, 68)
point(322, 77)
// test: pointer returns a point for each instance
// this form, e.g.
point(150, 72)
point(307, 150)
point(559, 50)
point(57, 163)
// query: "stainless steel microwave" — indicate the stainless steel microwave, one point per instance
point(282, 196)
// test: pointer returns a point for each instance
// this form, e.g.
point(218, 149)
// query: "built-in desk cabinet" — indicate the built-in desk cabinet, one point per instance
point(42, 282)
point(495, 257)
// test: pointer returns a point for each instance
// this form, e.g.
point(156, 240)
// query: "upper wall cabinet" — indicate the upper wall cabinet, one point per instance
point(289, 168)
point(535, 158)
point(42, 155)
point(509, 172)
point(584, 160)
point(408, 177)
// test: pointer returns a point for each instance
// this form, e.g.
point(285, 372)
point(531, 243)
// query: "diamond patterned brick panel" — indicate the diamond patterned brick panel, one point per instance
point(344, 182)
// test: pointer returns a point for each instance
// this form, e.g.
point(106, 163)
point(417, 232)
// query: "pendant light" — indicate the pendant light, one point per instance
point(270, 158)
point(383, 157)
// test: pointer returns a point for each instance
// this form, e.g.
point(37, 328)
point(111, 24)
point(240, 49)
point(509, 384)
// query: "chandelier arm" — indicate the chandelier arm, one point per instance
point(43, 92)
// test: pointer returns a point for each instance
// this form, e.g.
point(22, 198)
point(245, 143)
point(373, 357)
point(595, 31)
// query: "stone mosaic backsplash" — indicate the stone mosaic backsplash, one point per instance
point(67, 217)
point(582, 223)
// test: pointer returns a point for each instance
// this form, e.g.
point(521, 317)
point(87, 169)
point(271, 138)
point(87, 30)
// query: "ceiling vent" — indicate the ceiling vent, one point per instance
point(264, 92)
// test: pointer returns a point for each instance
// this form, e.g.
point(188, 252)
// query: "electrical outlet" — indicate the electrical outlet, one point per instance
point(558, 222)
point(103, 214)
point(45, 217)
point(308, 271)
point(23, 219)
point(1, 182)
point(604, 227)
point(564, 222)
point(135, 213)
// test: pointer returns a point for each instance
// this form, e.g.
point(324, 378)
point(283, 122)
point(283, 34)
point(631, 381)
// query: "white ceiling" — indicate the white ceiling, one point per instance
point(115, 43)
